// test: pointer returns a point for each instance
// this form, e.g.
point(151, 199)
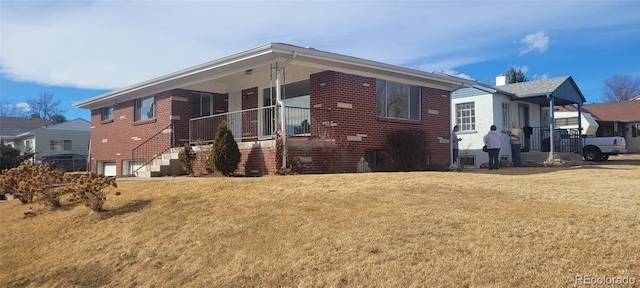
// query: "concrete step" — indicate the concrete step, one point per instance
point(167, 164)
point(147, 174)
point(171, 155)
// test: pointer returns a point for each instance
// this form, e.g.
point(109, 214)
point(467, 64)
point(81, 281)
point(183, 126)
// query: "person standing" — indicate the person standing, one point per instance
point(454, 143)
point(493, 140)
point(515, 139)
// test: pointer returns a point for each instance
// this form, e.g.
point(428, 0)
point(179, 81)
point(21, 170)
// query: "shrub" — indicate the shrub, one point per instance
point(28, 181)
point(408, 149)
point(90, 189)
point(225, 155)
point(187, 156)
point(7, 157)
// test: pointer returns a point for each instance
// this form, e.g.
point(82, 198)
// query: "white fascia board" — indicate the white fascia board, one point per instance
point(173, 80)
point(359, 64)
point(270, 53)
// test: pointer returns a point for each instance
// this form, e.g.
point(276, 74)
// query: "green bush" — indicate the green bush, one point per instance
point(225, 155)
point(187, 156)
point(8, 156)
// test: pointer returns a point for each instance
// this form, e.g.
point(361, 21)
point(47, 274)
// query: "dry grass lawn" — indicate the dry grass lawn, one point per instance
point(507, 228)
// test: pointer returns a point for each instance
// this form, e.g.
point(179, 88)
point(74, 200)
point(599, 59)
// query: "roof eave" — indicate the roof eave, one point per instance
point(271, 53)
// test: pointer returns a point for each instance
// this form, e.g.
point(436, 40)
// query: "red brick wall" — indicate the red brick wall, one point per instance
point(329, 87)
point(254, 161)
point(114, 140)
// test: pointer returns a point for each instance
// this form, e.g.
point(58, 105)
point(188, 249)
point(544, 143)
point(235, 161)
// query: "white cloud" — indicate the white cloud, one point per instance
point(23, 107)
point(541, 76)
point(524, 68)
point(112, 44)
point(535, 42)
point(457, 74)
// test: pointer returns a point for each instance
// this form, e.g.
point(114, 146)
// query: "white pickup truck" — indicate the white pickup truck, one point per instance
point(593, 148)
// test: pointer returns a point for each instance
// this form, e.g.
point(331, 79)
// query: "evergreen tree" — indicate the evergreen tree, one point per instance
point(225, 155)
point(7, 156)
point(515, 76)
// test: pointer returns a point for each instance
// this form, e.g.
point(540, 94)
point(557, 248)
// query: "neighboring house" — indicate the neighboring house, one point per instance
point(478, 107)
point(618, 119)
point(71, 137)
point(11, 127)
point(329, 110)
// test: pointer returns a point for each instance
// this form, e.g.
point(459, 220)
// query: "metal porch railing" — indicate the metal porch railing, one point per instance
point(260, 123)
point(153, 147)
point(537, 139)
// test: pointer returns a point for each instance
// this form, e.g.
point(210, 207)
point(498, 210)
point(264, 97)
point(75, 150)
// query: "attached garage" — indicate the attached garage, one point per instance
point(107, 168)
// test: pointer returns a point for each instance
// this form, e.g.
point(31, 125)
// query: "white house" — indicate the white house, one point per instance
point(71, 137)
point(478, 107)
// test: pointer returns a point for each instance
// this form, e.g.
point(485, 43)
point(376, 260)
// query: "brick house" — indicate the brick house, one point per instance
point(327, 110)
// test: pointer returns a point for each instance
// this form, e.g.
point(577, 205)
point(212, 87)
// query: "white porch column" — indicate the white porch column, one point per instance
point(552, 126)
point(580, 128)
point(280, 116)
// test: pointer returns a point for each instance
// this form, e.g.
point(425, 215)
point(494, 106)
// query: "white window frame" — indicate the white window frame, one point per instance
point(506, 116)
point(466, 122)
point(28, 145)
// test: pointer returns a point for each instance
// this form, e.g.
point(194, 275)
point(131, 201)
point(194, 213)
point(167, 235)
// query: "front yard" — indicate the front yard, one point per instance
point(540, 227)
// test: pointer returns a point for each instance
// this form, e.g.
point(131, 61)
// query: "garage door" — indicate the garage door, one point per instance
point(109, 168)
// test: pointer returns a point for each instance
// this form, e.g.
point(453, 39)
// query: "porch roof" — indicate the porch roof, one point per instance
point(269, 54)
point(563, 89)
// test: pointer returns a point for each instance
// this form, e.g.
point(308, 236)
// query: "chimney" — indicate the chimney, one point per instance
point(501, 80)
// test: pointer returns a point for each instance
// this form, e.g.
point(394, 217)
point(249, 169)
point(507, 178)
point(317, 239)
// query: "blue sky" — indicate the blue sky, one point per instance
point(81, 49)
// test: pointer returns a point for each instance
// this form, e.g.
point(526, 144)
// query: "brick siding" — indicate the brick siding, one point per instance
point(355, 126)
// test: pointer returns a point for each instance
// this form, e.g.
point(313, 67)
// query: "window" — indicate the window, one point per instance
point(466, 116)
point(296, 98)
point(573, 121)
point(27, 146)
point(394, 100)
point(145, 108)
point(61, 145)
point(201, 104)
point(107, 113)
point(506, 117)
point(468, 160)
point(635, 130)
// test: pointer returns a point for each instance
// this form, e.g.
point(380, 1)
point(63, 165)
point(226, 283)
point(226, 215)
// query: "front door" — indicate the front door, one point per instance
point(267, 115)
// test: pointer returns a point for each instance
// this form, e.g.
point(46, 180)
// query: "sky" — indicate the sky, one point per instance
point(81, 49)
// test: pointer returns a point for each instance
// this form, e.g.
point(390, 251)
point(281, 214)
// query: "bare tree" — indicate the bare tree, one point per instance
point(57, 118)
point(620, 88)
point(45, 106)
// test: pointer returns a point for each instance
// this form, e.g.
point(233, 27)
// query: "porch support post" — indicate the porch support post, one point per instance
point(580, 128)
point(552, 126)
point(281, 111)
point(280, 116)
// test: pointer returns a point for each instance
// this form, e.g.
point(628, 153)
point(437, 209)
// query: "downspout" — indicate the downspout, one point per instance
point(552, 125)
point(281, 111)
